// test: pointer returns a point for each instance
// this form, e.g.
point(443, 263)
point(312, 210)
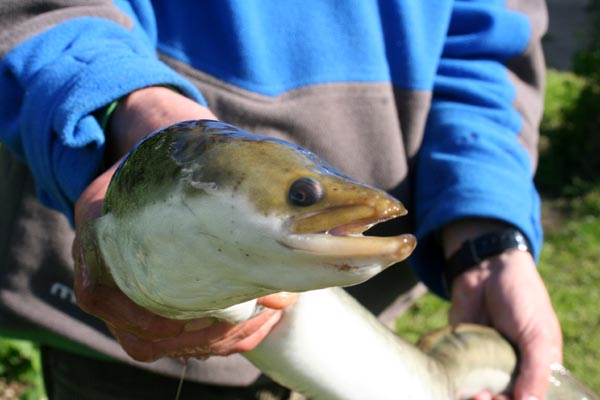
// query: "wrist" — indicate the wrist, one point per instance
point(145, 111)
point(473, 251)
point(458, 232)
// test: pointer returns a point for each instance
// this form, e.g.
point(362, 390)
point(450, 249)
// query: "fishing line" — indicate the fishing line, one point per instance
point(181, 378)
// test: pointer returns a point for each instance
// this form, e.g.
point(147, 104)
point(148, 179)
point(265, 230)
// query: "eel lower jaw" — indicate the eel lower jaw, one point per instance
point(387, 250)
point(346, 241)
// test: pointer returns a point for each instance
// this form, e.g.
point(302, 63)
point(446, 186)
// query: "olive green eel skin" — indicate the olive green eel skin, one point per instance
point(242, 216)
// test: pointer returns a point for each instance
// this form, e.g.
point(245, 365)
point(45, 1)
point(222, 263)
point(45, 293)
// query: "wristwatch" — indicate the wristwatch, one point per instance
point(473, 251)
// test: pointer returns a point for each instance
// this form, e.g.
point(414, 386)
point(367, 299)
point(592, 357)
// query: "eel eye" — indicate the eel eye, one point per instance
point(305, 192)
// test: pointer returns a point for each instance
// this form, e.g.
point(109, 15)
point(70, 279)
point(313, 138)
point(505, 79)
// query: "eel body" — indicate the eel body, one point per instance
point(202, 218)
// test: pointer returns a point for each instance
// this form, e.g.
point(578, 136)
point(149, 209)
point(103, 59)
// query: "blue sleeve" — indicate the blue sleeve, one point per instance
point(472, 163)
point(53, 82)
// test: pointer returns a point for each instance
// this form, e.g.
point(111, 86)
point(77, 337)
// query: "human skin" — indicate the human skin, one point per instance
point(507, 292)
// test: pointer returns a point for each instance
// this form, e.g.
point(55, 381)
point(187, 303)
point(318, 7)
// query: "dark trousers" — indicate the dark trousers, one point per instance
point(69, 376)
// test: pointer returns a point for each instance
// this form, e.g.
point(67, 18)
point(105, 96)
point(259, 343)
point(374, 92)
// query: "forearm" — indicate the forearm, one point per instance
point(456, 233)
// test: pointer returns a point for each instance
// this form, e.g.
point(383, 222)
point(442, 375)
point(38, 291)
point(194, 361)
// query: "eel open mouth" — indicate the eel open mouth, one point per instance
point(338, 232)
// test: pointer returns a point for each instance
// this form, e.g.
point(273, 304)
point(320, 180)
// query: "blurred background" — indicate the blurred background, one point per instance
point(568, 177)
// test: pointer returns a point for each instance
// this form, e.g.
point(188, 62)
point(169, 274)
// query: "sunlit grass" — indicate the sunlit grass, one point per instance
point(20, 371)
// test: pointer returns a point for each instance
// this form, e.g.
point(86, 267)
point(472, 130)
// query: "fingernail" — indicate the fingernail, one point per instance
point(198, 324)
point(286, 295)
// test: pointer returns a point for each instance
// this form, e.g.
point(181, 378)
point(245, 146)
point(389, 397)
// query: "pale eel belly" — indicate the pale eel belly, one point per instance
point(202, 218)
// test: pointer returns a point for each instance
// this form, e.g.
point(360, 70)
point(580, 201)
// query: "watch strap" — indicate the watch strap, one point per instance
point(473, 251)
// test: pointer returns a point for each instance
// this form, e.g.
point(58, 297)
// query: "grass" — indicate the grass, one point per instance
point(569, 265)
point(20, 369)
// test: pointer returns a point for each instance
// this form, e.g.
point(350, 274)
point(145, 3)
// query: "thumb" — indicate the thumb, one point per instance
point(278, 301)
point(533, 381)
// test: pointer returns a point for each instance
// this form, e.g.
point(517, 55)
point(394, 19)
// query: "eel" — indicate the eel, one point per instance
point(202, 218)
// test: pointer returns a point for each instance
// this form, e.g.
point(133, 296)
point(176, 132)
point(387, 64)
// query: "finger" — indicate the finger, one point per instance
point(226, 338)
point(115, 308)
point(534, 368)
point(532, 381)
point(257, 337)
point(219, 339)
point(110, 304)
point(278, 301)
point(484, 395)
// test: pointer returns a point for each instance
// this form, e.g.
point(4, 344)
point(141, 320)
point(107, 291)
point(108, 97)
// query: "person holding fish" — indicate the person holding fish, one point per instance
point(438, 105)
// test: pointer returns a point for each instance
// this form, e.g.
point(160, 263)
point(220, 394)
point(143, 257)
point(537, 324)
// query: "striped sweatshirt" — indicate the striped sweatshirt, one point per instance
point(437, 102)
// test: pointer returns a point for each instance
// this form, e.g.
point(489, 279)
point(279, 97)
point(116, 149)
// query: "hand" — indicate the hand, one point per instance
point(507, 292)
point(142, 334)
